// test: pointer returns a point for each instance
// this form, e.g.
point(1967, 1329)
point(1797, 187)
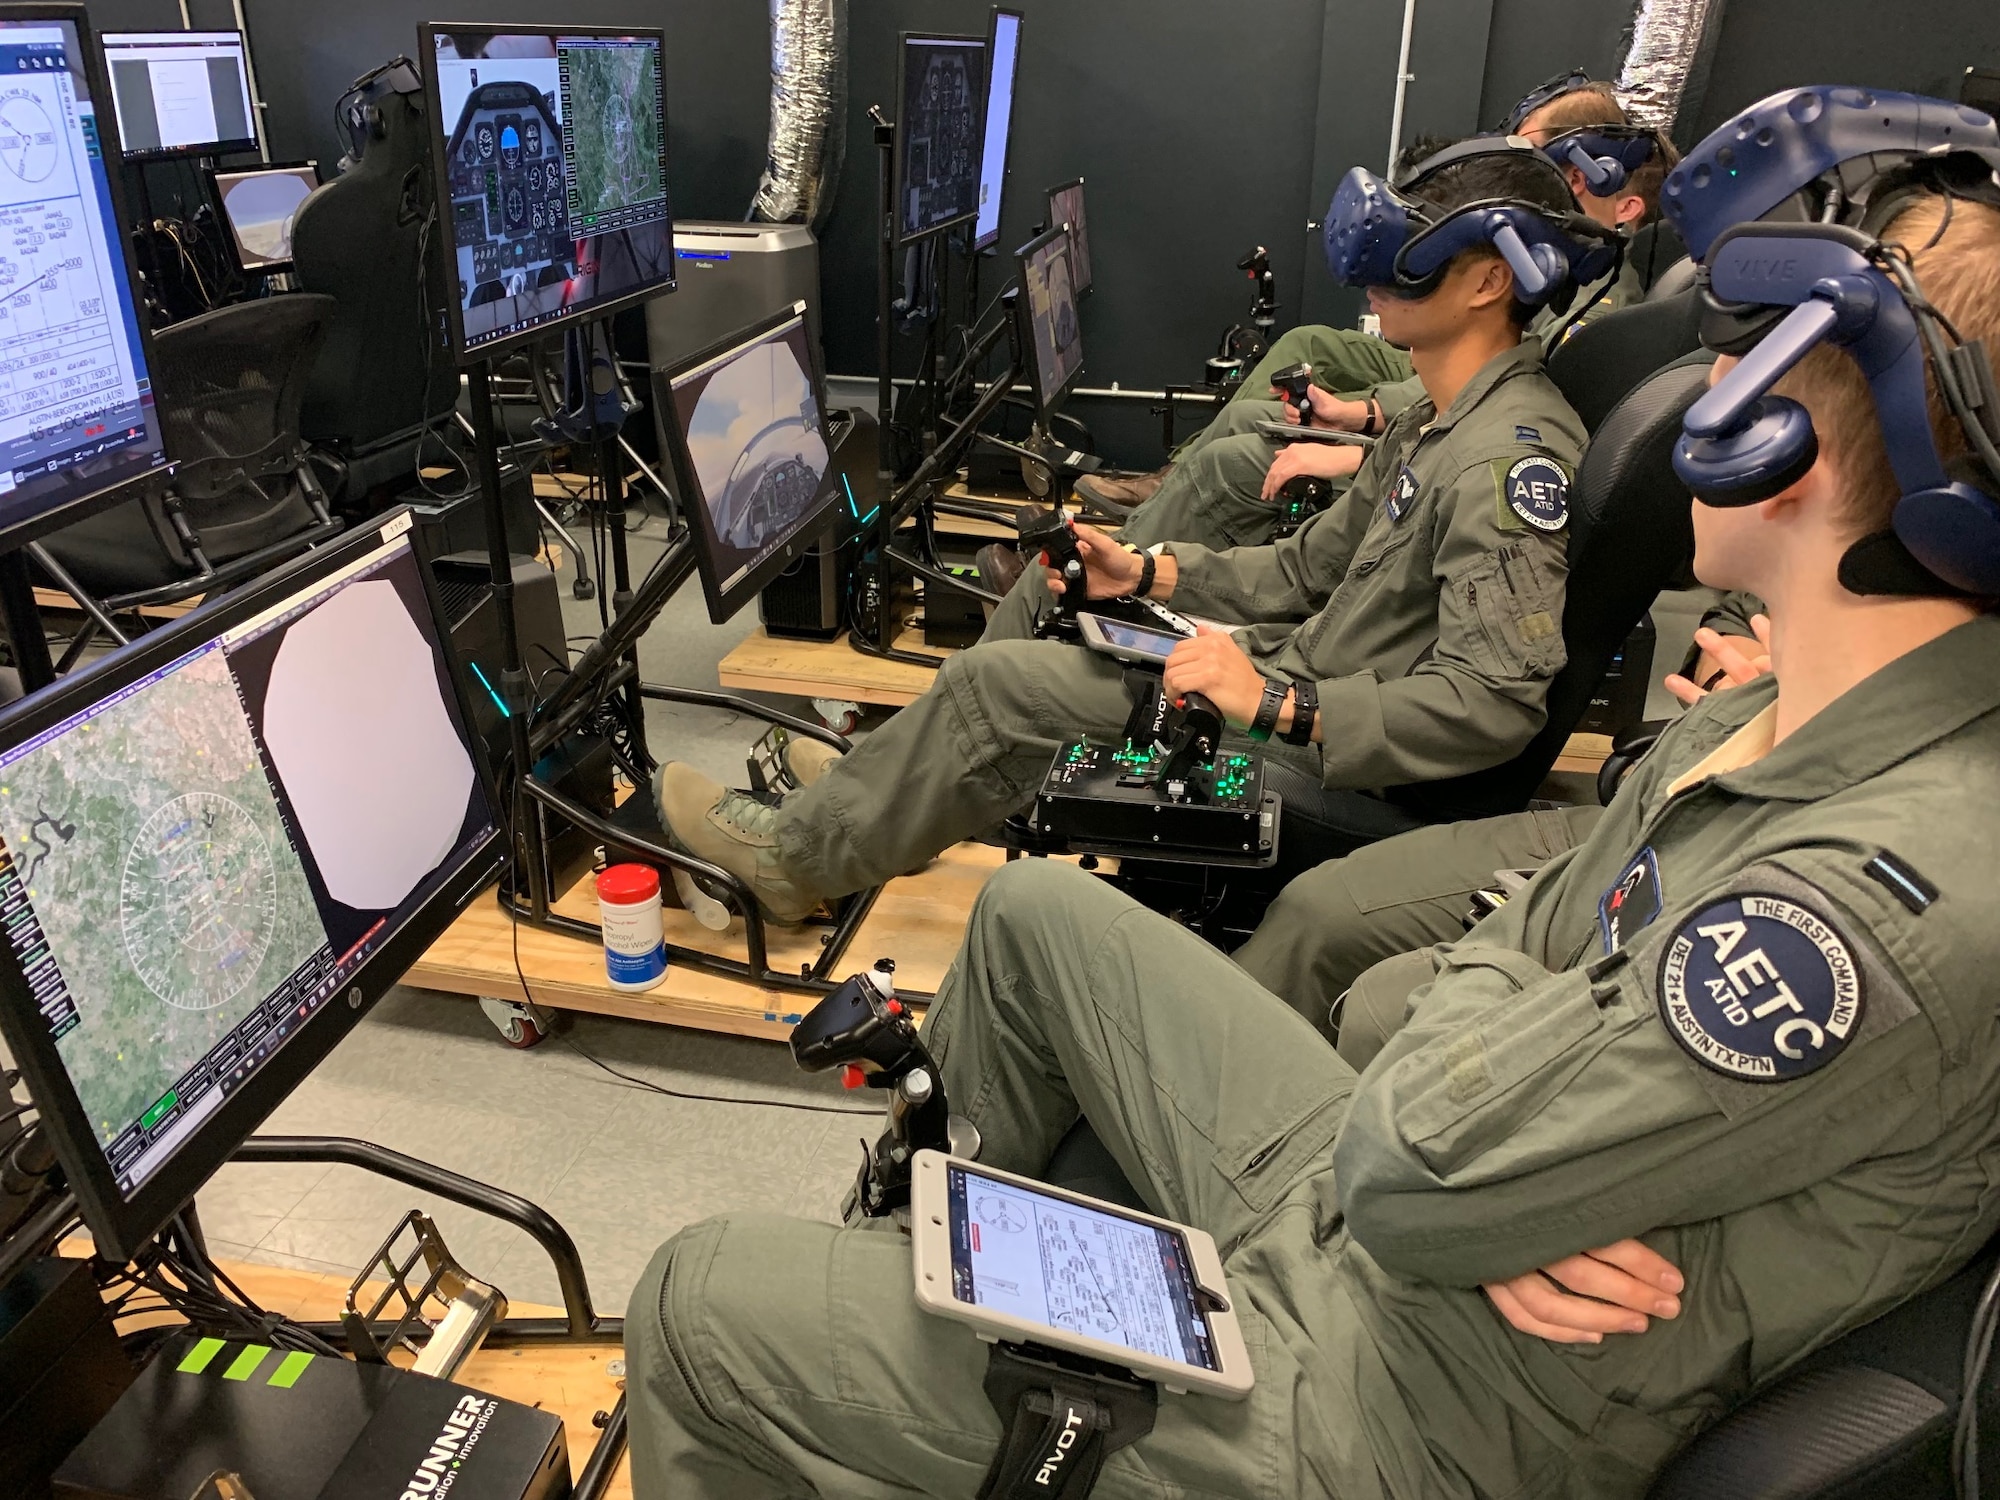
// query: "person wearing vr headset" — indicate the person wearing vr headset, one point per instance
point(1407, 635)
point(1737, 1116)
point(1229, 497)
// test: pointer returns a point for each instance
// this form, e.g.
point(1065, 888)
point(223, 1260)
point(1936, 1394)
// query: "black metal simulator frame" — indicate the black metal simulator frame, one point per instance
point(549, 159)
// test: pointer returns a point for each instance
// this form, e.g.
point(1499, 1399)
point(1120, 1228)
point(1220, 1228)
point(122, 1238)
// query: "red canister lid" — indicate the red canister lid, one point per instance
point(625, 885)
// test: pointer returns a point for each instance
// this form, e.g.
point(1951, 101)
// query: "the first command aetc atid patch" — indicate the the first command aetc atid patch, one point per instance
point(1538, 492)
point(1760, 988)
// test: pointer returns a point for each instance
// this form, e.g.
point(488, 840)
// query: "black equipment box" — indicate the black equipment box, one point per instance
point(1104, 800)
point(465, 589)
point(311, 1427)
point(60, 1370)
point(809, 599)
point(1619, 702)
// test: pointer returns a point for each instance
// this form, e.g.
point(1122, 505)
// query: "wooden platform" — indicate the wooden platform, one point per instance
point(917, 920)
point(764, 663)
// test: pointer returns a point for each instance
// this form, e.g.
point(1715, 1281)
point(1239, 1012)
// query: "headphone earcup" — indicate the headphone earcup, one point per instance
point(1954, 531)
point(1770, 451)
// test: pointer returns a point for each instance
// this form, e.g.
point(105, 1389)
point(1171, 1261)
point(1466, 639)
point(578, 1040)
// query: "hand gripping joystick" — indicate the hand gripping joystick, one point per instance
point(863, 1029)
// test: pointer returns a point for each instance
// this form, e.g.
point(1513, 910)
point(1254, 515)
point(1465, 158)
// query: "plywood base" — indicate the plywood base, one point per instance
point(762, 663)
point(918, 920)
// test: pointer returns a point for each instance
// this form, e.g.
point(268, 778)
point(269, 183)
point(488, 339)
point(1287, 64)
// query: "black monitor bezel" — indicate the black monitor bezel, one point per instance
point(987, 241)
point(118, 1225)
point(212, 176)
point(205, 148)
point(104, 111)
point(723, 603)
point(1024, 310)
point(426, 65)
point(1049, 201)
point(899, 154)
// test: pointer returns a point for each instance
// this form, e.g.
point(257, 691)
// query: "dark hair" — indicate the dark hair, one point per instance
point(1522, 176)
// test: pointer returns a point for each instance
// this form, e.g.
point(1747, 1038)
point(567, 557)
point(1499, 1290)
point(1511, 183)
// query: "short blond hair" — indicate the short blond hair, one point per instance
point(1593, 104)
point(1959, 272)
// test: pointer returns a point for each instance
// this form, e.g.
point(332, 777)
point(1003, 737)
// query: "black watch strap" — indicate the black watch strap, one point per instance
point(1305, 709)
point(1268, 709)
point(1148, 566)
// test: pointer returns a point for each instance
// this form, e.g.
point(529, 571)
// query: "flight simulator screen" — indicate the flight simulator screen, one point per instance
point(756, 444)
point(1003, 58)
point(1052, 321)
point(938, 137)
point(76, 399)
point(260, 206)
point(554, 159)
point(1066, 207)
point(193, 864)
point(180, 92)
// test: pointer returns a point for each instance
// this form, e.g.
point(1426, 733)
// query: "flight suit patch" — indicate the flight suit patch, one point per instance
point(1402, 494)
point(1537, 490)
point(1632, 901)
point(1761, 988)
point(1527, 434)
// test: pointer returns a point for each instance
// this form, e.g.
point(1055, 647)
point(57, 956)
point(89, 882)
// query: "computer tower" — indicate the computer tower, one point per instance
point(808, 601)
point(731, 275)
point(465, 588)
point(457, 523)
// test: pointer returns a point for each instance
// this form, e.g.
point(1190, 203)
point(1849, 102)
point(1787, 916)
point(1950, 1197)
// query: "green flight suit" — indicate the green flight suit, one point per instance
point(1406, 893)
point(1213, 493)
point(1539, 1102)
point(1423, 605)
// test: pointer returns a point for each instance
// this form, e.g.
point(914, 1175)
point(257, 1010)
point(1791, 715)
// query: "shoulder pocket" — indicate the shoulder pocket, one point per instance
point(1514, 608)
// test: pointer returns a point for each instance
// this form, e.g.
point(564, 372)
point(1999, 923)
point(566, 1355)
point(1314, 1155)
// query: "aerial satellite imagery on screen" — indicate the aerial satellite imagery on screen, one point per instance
point(200, 882)
point(615, 134)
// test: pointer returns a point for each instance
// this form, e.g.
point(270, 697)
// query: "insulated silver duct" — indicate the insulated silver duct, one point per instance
point(1666, 55)
point(808, 112)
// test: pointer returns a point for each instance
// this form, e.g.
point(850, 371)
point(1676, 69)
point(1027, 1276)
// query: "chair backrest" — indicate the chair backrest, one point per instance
point(1654, 250)
point(230, 385)
point(1677, 278)
point(1601, 363)
point(367, 240)
point(1630, 530)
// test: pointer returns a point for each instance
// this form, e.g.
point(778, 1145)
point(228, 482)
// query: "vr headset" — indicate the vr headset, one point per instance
point(1543, 93)
point(1820, 173)
point(1607, 155)
point(1382, 233)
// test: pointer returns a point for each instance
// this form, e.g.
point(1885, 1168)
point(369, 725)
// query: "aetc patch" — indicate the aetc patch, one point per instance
point(1402, 495)
point(1760, 988)
point(1538, 492)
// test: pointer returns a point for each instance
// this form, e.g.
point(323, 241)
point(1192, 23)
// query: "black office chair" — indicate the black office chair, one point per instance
point(386, 376)
point(1655, 250)
point(243, 496)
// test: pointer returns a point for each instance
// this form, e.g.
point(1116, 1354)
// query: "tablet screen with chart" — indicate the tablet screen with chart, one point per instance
point(76, 399)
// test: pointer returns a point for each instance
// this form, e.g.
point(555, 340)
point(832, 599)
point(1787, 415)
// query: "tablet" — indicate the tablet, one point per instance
point(1027, 1263)
point(1285, 432)
point(1139, 644)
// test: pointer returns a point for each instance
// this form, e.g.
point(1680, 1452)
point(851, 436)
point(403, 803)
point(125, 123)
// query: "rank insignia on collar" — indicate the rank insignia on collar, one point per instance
point(1537, 491)
point(1760, 988)
point(1632, 901)
point(1402, 494)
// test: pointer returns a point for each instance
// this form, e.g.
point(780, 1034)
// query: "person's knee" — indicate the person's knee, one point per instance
point(1378, 1003)
point(1308, 944)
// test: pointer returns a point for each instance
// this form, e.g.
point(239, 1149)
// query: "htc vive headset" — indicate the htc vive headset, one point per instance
point(1385, 233)
point(1785, 207)
point(1545, 92)
point(1607, 155)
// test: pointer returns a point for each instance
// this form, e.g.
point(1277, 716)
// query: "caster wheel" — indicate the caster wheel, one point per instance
point(519, 1024)
point(837, 714)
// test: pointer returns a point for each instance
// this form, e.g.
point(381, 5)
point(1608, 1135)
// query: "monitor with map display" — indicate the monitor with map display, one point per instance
point(1048, 307)
point(218, 846)
point(78, 426)
point(745, 426)
point(550, 156)
point(942, 88)
point(1003, 61)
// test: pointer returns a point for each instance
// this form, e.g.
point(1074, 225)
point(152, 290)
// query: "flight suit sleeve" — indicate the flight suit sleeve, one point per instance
point(1481, 694)
point(1524, 1115)
point(1289, 580)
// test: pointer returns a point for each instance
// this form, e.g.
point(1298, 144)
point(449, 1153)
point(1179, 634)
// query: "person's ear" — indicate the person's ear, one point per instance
point(1629, 209)
point(1494, 283)
point(1579, 185)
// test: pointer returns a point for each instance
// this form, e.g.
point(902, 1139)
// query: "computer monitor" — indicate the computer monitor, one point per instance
point(941, 83)
point(745, 425)
point(218, 846)
point(1048, 306)
point(1066, 209)
point(550, 153)
point(180, 93)
point(1003, 59)
point(259, 204)
point(77, 421)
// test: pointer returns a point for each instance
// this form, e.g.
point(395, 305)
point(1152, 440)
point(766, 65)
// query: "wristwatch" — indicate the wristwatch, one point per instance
point(1305, 709)
point(1147, 568)
point(1268, 709)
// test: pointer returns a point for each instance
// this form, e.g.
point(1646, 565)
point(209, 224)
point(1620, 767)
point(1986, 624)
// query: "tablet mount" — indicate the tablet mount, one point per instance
point(1064, 1415)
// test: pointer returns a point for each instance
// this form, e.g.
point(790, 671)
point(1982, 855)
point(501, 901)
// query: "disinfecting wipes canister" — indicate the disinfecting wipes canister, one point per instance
point(635, 947)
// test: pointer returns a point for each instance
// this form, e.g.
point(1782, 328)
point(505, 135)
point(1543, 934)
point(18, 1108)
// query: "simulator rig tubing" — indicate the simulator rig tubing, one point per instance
point(709, 698)
point(583, 1323)
point(938, 576)
point(757, 969)
point(38, 1234)
point(595, 1477)
point(514, 693)
point(84, 601)
point(673, 568)
point(885, 294)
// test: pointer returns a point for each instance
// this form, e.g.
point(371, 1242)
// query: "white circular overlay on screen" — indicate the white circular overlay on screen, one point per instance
point(360, 736)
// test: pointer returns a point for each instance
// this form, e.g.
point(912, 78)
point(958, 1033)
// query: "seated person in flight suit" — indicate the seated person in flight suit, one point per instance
point(1338, 919)
point(1786, 1084)
point(1424, 606)
point(1222, 488)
